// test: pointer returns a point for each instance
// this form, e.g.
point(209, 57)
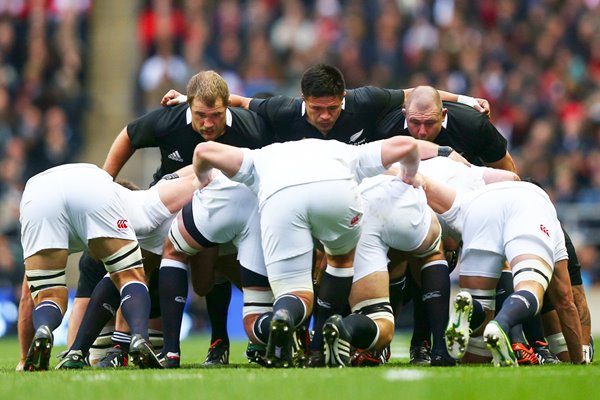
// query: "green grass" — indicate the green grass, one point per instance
point(397, 380)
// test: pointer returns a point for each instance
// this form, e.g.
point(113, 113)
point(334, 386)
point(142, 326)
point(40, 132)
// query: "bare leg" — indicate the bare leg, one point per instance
point(25, 323)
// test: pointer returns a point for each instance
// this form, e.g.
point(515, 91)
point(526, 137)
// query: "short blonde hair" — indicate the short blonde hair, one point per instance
point(208, 86)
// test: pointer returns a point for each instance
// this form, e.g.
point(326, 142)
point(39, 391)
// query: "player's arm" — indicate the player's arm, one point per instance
point(173, 97)
point(507, 163)
point(561, 296)
point(210, 155)
point(429, 150)
point(481, 105)
point(120, 152)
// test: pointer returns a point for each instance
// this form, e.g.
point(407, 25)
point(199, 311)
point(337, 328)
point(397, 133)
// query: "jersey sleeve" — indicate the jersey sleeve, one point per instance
point(494, 145)
point(378, 100)
point(143, 131)
point(276, 108)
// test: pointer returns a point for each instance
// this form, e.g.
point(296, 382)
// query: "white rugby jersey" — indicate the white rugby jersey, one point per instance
point(281, 165)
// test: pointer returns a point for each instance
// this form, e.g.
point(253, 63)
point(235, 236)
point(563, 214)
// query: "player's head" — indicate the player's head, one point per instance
point(323, 90)
point(424, 113)
point(208, 96)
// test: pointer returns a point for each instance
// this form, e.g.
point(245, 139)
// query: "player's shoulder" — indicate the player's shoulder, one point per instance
point(279, 107)
point(171, 117)
point(463, 113)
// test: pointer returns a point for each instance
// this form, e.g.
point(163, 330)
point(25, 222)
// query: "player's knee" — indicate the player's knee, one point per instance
point(178, 241)
point(48, 281)
point(257, 302)
point(531, 270)
point(557, 343)
point(380, 311)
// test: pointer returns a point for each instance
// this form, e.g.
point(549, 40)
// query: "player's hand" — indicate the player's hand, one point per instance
point(457, 157)
point(172, 98)
point(482, 106)
point(205, 178)
point(415, 180)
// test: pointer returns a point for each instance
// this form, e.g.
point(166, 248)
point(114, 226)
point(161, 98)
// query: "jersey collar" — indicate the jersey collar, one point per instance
point(228, 117)
point(444, 123)
point(304, 106)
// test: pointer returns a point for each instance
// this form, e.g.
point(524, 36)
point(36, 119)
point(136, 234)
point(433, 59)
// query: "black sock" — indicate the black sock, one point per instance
point(421, 329)
point(47, 313)
point(217, 307)
point(504, 288)
point(397, 287)
point(103, 304)
point(135, 306)
point(362, 329)
point(261, 327)
point(332, 299)
point(435, 281)
point(534, 330)
point(293, 305)
point(121, 339)
point(173, 290)
point(519, 306)
point(478, 316)
point(516, 334)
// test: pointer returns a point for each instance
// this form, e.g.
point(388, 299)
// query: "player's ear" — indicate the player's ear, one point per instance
point(444, 112)
point(404, 112)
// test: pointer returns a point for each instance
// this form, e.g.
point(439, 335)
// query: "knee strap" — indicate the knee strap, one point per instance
point(127, 257)
point(43, 279)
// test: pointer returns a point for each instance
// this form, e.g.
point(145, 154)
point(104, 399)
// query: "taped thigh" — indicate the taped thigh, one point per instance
point(43, 279)
point(257, 301)
point(375, 309)
point(485, 297)
point(531, 270)
point(127, 257)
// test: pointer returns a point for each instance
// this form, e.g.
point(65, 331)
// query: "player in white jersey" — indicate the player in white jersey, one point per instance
point(305, 189)
point(222, 212)
point(76, 206)
point(64, 210)
point(514, 221)
point(397, 217)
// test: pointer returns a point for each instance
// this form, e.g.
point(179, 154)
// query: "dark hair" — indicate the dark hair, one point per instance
point(322, 80)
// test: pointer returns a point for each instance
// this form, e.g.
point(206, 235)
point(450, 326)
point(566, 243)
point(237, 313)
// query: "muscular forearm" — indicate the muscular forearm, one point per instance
point(120, 152)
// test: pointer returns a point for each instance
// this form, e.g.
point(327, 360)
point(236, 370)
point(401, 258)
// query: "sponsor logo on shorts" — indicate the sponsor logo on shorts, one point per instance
point(122, 224)
point(355, 220)
point(545, 230)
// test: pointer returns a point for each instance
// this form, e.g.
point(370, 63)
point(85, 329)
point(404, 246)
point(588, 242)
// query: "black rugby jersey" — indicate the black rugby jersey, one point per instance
point(466, 130)
point(362, 109)
point(170, 129)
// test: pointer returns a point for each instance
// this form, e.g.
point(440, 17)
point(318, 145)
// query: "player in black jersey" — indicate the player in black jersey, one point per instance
point(327, 110)
point(176, 131)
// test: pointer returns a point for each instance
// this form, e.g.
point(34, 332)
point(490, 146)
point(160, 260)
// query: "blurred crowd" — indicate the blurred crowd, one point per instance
point(42, 96)
point(536, 61)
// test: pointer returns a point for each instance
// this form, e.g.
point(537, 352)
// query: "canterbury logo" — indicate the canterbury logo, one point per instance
point(431, 295)
point(109, 308)
point(355, 220)
point(180, 299)
point(175, 156)
point(122, 224)
point(545, 230)
point(355, 137)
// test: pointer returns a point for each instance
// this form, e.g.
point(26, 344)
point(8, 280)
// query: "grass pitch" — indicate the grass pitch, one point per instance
point(397, 380)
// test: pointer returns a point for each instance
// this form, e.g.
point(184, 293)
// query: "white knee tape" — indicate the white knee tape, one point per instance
point(257, 302)
point(478, 347)
point(375, 309)
point(127, 257)
point(42, 279)
point(434, 248)
point(178, 241)
point(531, 270)
point(485, 297)
point(557, 343)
